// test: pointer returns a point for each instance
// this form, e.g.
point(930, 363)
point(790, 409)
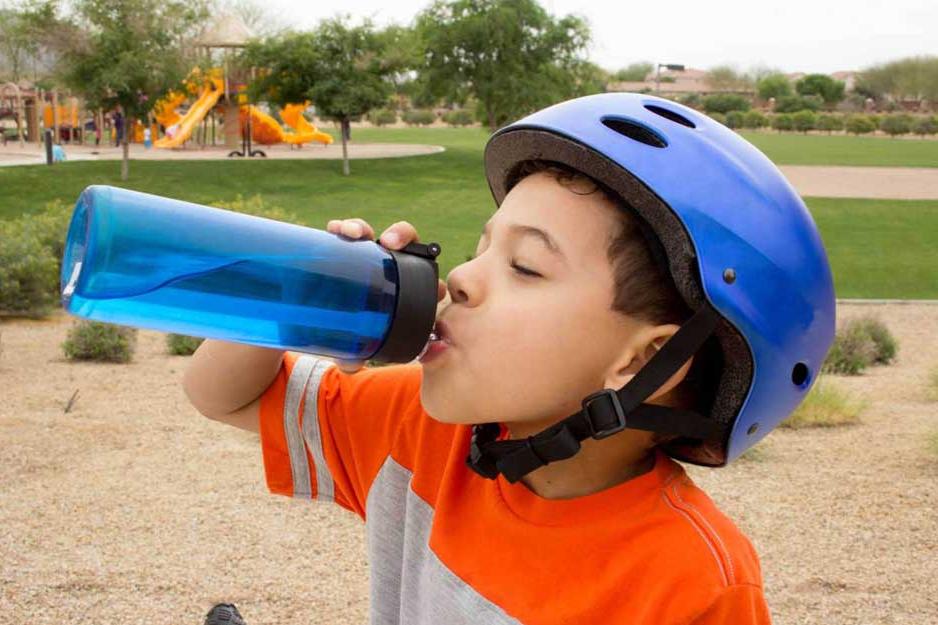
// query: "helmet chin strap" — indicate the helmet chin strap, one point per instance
point(604, 413)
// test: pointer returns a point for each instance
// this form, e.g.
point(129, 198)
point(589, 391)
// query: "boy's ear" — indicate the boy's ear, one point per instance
point(643, 346)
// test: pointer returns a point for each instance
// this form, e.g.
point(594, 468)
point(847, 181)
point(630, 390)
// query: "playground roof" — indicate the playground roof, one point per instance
point(228, 31)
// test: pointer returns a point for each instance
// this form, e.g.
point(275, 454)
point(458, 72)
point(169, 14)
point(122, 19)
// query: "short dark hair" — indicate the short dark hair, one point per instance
point(643, 286)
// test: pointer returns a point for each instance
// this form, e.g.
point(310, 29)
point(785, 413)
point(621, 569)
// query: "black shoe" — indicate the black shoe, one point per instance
point(224, 614)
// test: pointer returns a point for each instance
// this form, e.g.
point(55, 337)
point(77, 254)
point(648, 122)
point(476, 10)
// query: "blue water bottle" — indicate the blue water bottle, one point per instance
point(147, 261)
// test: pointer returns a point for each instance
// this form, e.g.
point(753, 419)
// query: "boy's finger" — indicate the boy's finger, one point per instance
point(398, 235)
point(357, 229)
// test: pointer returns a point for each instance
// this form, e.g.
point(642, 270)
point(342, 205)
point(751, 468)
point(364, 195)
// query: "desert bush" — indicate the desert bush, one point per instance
point(755, 119)
point(825, 406)
point(718, 117)
point(859, 124)
point(29, 276)
point(382, 117)
point(461, 117)
point(419, 117)
point(735, 119)
point(883, 340)
point(852, 352)
point(925, 126)
point(894, 125)
point(830, 122)
point(804, 120)
point(691, 99)
point(106, 342)
point(724, 103)
point(782, 122)
point(795, 103)
point(182, 345)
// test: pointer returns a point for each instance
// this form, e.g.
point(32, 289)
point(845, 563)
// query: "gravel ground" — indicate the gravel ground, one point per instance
point(132, 508)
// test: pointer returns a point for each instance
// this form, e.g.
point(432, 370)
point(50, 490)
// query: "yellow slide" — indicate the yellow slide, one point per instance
point(292, 114)
point(165, 109)
point(207, 100)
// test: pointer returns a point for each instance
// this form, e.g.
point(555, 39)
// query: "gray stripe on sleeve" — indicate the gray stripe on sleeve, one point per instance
point(325, 488)
point(299, 466)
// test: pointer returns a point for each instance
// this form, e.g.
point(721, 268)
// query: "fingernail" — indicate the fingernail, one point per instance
point(391, 240)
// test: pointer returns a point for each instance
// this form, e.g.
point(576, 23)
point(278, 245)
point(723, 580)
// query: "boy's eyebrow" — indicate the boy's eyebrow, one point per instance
point(523, 229)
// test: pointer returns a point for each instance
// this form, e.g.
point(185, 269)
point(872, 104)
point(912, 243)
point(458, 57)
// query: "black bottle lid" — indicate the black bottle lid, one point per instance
point(415, 311)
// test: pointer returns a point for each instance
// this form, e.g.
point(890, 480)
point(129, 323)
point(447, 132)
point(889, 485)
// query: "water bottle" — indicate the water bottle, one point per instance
point(147, 261)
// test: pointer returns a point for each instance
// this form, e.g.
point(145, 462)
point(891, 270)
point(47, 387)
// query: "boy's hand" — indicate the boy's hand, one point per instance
point(396, 237)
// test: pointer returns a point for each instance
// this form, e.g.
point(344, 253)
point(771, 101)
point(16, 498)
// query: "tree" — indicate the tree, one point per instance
point(17, 45)
point(829, 90)
point(727, 78)
point(340, 67)
point(510, 55)
point(773, 86)
point(129, 54)
point(912, 78)
point(636, 72)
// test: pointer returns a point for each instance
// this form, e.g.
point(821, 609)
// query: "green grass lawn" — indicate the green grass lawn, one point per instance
point(878, 249)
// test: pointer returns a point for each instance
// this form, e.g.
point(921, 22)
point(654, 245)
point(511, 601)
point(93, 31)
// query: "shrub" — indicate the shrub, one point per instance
point(830, 122)
point(825, 406)
point(894, 125)
point(735, 119)
point(29, 277)
point(724, 103)
point(925, 126)
point(106, 342)
point(883, 340)
point(382, 117)
point(461, 117)
point(852, 352)
point(859, 125)
point(804, 120)
point(755, 119)
point(182, 345)
point(875, 119)
point(718, 117)
point(691, 99)
point(419, 117)
point(794, 103)
point(782, 122)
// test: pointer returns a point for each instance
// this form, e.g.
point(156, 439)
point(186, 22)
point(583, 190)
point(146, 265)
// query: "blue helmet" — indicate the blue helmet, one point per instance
point(739, 244)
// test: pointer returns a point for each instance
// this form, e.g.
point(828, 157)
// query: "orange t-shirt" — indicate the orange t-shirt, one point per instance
point(447, 546)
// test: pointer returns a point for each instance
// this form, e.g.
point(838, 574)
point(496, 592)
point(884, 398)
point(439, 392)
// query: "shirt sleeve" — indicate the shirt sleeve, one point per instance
point(325, 434)
point(740, 604)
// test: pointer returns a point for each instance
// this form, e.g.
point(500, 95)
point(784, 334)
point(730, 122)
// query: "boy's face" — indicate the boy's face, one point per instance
point(527, 349)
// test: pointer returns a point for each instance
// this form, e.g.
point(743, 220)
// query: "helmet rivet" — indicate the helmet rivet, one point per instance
point(729, 276)
point(752, 429)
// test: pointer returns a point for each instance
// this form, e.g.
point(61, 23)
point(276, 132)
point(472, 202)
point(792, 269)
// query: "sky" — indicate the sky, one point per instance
point(793, 35)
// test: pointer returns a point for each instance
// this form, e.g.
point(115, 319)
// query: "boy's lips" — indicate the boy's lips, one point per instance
point(443, 332)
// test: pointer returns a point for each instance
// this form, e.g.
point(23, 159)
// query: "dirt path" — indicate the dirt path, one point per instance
point(898, 183)
point(133, 504)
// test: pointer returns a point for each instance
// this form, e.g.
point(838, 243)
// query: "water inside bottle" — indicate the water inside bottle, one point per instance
point(292, 303)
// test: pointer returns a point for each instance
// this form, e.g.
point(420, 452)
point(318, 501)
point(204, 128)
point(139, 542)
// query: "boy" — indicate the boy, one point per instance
point(484, 501)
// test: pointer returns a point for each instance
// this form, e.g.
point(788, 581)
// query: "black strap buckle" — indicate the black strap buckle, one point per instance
point(618, 426)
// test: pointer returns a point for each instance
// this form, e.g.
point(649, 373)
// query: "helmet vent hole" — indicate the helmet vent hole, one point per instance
point(635, 131)
point(800, 374)
point(668, 114)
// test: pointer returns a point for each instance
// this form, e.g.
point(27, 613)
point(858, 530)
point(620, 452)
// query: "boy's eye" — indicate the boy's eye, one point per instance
point(524, 271)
